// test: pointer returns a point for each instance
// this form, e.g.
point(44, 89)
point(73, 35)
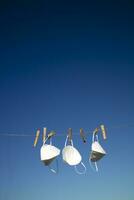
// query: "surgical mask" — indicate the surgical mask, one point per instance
point(72, 157)
point(97, 152)
point(49, 153)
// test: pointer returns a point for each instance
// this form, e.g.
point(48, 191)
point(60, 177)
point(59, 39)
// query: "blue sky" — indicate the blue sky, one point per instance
point(66, 64)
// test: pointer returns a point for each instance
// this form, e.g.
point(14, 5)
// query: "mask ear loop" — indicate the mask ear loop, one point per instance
point(72, 143)
point(97, 138)
point(50, 141)
point(75, 167)
point(80, 172)
point(55, 171)
point(44, 142)
point(93, 138)
point(67, 141)
point(91, 165)
point(96, 166)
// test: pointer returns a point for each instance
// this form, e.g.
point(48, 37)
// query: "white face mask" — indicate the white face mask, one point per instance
point(97, 152)
point(48, 153)
point(72, 157)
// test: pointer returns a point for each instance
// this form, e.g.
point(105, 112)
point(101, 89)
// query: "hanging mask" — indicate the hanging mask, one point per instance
point(72, 157)
point(97, 152)
point(48, 153)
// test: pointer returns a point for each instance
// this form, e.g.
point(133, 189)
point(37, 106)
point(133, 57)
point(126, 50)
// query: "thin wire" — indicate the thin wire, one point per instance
point(16, 135)
point(64, 135)
point(32, 135)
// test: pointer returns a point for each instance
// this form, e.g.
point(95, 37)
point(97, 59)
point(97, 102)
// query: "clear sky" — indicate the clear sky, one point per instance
point(66, 64)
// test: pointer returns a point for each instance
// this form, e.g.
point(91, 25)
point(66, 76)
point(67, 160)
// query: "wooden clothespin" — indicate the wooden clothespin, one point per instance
point(51, 134)
point(96, 131)
point(69, 135)
point(36, 137)
point(103, 129)
point(82, 135)
point(44, 134)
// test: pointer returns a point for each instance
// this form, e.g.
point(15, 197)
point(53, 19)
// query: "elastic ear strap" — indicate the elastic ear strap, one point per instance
point(97, 138)
point(93, 138)
point(50, 141)
point(49, 137)
point(54, 170)
point(71, 141)
point(45, 140)
point(94, 134)
point(66, 141)
point(96, 167)
point(80, 172)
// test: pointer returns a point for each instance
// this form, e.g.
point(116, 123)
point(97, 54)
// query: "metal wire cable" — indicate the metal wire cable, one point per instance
point(59, 134)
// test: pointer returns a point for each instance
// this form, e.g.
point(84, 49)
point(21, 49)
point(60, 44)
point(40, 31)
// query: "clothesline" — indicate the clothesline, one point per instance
point(59, 134)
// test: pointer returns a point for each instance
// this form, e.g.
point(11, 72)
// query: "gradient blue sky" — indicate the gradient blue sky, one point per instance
point(66, 64)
